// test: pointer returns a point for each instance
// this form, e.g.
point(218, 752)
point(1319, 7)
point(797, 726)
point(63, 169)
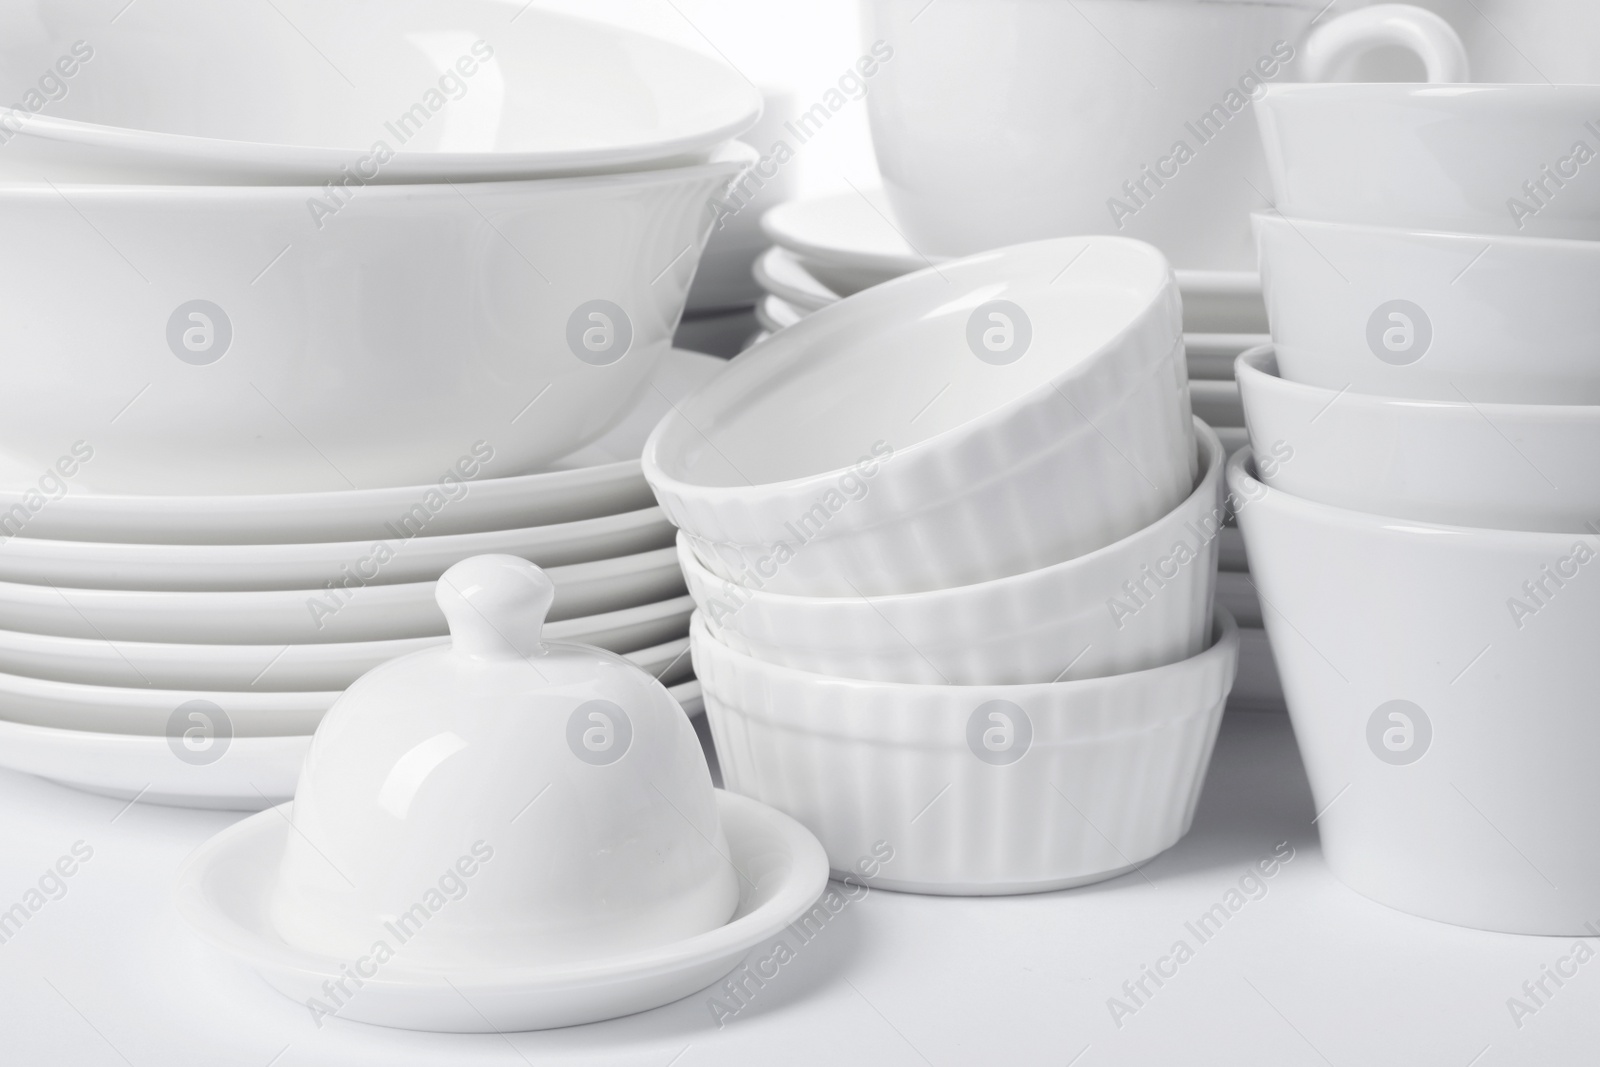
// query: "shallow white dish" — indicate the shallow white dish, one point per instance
point(1441, 681)
point(780, 274)
point(1459, 158)
point(978, 789)
point(454, 90)
point(1499, 466)
point(152, 710)
point(394, 558)
point(848, 242)
point(222, 893)
point(602, 478)
point(249, 774)
point(883, 446)
point(245, 668)
point(291, 616)
point(1433, 316)
point(1141, 602)
point(240, 343)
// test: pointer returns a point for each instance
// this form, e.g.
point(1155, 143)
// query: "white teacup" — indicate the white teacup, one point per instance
point(1003, 121)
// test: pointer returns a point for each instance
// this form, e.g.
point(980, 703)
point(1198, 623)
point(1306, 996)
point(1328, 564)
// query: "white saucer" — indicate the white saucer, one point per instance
point(774, 313)
point(250, 774)
point(779, 273)
point(152, 711)
point(223, 892)
point(601, 479)
point(847, 242)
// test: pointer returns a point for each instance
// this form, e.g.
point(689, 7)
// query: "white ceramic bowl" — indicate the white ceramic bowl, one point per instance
point(231, 340)
point(999, 121)
point(976, 789)
point(1499, 466)
point(881, 446)
point(1441, 680)
point(301, 92)
point(1433, 316)
point(1487, 159)
point(603, 478)
point(1142, 602)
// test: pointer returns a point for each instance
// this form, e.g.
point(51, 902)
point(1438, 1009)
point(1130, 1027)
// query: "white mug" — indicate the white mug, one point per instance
point(1002, 121)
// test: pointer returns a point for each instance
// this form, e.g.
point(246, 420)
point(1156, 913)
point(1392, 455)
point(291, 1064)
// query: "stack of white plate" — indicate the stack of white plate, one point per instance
point(182, 649)
point(305, 303)
point(826, 248)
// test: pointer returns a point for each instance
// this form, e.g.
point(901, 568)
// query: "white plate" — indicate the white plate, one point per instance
point(778, 272)
point(850, 241)
point(389, 560)
point(241, 668)
point(172, 712)
point(223, 892)
point(601, 479)
point(250, 774)
point(774, 313)
point(296, 616)
point(454, 89)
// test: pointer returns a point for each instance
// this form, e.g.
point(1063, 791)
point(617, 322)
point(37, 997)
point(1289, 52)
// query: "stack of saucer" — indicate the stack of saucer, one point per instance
point(1422, 499)
point(271, 370)
point(948, 538)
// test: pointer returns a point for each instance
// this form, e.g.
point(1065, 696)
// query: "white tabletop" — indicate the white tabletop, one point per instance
point(1306, 973)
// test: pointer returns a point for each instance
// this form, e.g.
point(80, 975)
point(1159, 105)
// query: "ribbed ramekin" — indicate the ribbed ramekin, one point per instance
point(871, 450)
point(976, 790)
point(1142, 602)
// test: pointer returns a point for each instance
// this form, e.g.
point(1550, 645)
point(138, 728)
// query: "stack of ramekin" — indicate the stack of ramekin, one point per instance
point(953, 545)
point(1420, 510)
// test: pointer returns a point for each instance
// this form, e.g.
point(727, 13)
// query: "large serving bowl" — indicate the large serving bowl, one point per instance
point(881, 446)
point(300, 92)
point(973, 789)
point(1441, 683)
point(1489, 159)
point(1500, 466)
point(999, 121)
point(1432, 316)
point(242, 340)
point(1142, 602)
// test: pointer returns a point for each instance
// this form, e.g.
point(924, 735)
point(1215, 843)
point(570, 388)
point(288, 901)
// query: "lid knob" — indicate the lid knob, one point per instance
point(495, 606)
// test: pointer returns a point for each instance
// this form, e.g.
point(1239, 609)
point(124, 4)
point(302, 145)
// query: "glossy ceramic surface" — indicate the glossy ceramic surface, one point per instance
point(221, 892)
point(1500, 466)
point(299, 92)
point(1142, 602)
point(1441, 682)
point(603, 478)
point(438, 761)
point(1487, 159)
point(999, 121)
point(838, 457)
point(1432, 316)
point(975, 789)
point(231, 340)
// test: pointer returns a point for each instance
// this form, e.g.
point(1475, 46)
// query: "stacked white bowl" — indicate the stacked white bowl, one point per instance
point(952, 542)
point(306, 303)
point(1420, 508)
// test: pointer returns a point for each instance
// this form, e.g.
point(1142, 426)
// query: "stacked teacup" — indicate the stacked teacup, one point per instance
point(307, 303)
point(1421, 506)
point(952, 542)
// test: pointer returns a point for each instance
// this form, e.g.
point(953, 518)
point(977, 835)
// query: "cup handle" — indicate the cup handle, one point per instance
point(1433, 39)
